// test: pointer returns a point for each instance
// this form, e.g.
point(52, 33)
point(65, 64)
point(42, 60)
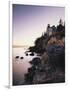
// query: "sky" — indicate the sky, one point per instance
point(30, 21)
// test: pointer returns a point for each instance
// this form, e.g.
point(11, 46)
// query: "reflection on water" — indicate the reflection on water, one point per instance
point(20, 66)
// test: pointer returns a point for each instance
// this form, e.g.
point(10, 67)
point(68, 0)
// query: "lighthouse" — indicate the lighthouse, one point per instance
point(49, 30)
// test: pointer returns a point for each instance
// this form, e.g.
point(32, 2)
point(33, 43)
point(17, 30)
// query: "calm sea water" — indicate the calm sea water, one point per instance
point(20, 66)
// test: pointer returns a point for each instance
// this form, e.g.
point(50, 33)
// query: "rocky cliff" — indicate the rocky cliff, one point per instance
point(50, 68)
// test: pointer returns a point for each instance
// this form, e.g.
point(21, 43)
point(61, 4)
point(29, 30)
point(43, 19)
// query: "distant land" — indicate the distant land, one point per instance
point(20, 46)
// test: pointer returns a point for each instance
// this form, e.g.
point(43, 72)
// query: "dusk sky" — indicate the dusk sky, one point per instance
point(29, 22)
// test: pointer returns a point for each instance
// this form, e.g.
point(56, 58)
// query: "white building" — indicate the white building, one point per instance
point(49, 30)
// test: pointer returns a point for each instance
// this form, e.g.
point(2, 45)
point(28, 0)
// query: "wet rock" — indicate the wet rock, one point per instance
point(21, 57)
point(30, 75)
point(36, 61)
point(26, 54)
point(16, 57)
point(31, 69)
point(31, 54)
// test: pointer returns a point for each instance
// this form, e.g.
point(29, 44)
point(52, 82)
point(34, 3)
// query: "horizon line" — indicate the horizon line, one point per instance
point(16, 46)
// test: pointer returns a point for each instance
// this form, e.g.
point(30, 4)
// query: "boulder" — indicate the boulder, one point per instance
point(26, 54)
point(31, 54)
point(36, 61)
point(21, 57)
point(16, 57)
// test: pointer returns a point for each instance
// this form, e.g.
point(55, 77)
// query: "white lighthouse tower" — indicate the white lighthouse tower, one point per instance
point(49, 30)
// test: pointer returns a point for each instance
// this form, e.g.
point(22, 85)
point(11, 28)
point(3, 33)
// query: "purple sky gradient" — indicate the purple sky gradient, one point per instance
point(30, 21)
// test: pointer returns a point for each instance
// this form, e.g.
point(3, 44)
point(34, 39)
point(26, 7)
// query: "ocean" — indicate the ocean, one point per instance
point(20, 66)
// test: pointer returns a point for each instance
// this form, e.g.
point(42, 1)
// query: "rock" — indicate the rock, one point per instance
point(39, 77)
point(31, 69)
point(44, 58)
point(17, 57)
point(36, 61)
point(32, 54)
point(56, 55)
point(21, 57)
point(30, 75)
point(38, 54)
point(26, 54)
